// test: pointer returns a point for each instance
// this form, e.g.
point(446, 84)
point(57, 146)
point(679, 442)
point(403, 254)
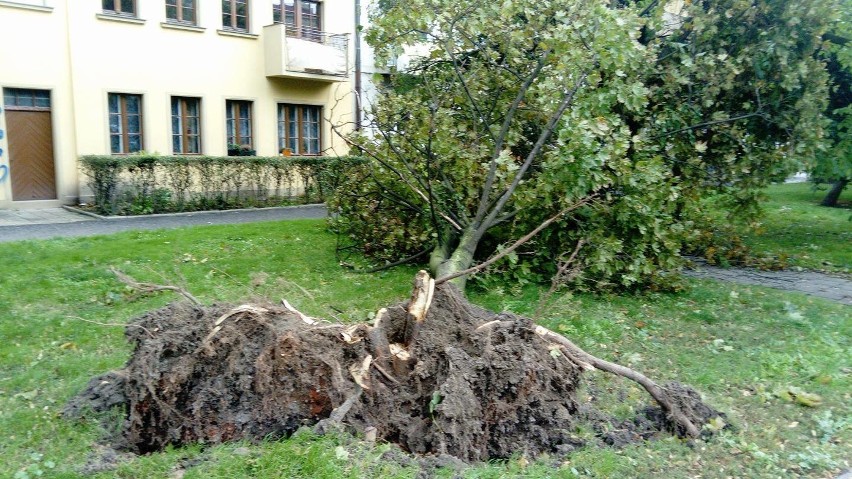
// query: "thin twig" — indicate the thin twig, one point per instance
point(399, 262)
point(143, 328)
point(151, 287)
point(562, 272)
point(708, 123)
point(300, 288)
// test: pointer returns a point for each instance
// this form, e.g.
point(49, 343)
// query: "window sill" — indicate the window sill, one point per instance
point(182, 26)
point(25, 6)
point(120, 18)
point(237, 33)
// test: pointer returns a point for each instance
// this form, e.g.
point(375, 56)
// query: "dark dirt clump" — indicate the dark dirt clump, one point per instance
point(463, 381)
point(102, 393)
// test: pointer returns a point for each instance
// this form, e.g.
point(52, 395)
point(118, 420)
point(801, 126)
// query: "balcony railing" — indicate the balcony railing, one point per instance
point(297, 52)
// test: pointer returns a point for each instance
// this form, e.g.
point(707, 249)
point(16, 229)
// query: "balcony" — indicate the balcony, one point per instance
point(305, 53)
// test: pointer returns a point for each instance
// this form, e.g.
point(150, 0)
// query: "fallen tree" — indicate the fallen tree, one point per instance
point(435, 374)
point(500, 115)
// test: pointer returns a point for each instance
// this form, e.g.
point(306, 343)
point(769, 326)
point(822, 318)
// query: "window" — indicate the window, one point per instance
point(181, 11)
point(301, 17)
point(120, 7)
point(125, 123)
point(186, 125)
point(235, 15)
point(299, 129)
point(276, 11)
point(22, 99)
point(238, 123)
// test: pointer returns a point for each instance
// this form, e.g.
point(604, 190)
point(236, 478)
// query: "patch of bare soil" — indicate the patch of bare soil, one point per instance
point(436, 375)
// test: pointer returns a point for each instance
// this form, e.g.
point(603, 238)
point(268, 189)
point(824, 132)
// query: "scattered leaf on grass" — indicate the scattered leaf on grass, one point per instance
point(28, 395)
point(716, 424)
point(799, 396)
point(634, 358)
point(342, 454)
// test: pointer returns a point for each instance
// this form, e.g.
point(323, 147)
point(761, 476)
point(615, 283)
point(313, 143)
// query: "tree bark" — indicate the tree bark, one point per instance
point(459, 259)
point(834, 193)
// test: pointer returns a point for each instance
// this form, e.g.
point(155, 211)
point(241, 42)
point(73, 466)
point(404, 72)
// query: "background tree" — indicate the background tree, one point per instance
point(608, 125)
point(835, 164)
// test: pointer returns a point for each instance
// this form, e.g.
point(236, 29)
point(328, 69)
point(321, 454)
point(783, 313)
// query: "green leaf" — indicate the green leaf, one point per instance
point(433, 404)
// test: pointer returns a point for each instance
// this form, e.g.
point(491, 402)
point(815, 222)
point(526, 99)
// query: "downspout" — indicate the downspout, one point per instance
point(72, 91)
point(357, 65)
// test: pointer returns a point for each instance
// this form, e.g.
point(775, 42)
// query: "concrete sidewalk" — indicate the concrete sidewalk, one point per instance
point(812, 283)
point(40, 217)
point(16, 225)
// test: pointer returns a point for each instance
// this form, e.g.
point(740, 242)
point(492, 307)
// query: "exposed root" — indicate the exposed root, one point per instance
point(658, 393)
point(340, 412)
point(386, 374)
point(421, 296)
point(477, 384)
point(361, 372)
point(239, 310)
point(418, 306)
point(307, 319)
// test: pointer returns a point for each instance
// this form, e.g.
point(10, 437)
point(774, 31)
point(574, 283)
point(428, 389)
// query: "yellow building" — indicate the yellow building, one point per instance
point(183, 77)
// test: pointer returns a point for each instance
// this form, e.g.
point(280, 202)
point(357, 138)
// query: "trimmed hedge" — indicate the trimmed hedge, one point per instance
point(145, 184)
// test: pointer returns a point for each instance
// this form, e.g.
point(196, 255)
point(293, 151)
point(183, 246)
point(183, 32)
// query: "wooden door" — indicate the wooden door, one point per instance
point(31, 164)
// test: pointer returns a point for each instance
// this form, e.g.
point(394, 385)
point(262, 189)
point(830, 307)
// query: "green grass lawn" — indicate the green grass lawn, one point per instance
point(741, 346)
point(812, 236)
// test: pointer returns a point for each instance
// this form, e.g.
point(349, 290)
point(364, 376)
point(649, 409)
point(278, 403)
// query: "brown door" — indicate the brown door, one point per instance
point(31, 168)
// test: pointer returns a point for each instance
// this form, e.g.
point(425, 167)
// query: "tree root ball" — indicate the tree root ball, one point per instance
point(462, 381)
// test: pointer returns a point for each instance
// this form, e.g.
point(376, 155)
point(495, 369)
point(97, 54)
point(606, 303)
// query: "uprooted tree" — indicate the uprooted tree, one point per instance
point(611, 120)
point(434, 374)
point(585, 124)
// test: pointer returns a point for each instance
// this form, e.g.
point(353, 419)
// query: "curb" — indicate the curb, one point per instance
point(81, 212)
point(187, 213)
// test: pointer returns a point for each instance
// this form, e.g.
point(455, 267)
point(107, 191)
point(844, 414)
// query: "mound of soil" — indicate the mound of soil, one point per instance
point(461, 380)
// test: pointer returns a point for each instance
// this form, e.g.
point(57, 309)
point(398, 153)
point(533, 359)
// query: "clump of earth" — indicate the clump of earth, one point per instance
point(435, 375)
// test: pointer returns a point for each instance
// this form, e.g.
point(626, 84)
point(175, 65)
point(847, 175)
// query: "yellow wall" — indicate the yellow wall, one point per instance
point(34, 54)
point(82, 56)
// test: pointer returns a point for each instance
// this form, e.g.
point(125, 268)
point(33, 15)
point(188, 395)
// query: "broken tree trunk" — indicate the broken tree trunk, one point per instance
point(434, 375)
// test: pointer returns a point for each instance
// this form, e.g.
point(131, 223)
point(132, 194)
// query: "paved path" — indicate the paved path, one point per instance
point(808, 282)
point(49, 223)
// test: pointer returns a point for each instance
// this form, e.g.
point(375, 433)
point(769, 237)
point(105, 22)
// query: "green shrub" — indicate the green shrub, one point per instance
point(145, 184)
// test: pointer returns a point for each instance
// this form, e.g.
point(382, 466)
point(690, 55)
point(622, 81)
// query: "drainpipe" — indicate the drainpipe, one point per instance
point(357, 65)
